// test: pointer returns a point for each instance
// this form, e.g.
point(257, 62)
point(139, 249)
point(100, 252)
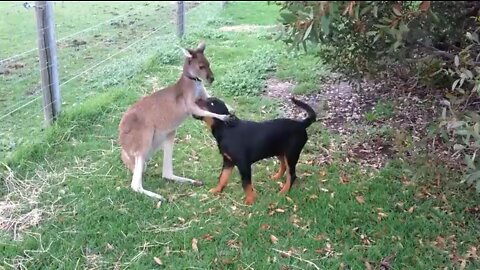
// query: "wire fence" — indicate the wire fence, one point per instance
point(95, 57)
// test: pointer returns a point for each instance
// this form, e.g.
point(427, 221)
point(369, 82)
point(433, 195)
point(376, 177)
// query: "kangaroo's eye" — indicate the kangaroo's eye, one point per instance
point(202, 67)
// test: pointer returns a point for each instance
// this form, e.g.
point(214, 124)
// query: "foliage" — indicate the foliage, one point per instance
point(429, 44)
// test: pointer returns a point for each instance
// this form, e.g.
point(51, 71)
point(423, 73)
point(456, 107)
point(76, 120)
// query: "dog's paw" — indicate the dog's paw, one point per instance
point(285, 189)
point(249, 200)
point(215, 190)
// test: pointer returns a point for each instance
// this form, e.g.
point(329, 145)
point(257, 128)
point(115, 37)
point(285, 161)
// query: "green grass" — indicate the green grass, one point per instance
point(94, 220)
point(382, 110)
point(305, 69)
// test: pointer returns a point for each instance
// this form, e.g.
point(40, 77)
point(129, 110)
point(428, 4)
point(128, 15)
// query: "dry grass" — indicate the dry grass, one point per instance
point(20, 209)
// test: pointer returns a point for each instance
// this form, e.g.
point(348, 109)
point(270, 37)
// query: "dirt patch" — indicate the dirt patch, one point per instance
point(247, 28)
point(342, 108)
point(10, 67)
point(282, 91)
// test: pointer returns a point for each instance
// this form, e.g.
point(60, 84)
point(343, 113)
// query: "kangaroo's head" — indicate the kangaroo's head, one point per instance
point(196, 65)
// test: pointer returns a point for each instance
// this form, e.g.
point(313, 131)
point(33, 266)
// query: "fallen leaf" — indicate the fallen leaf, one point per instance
point(440, 242)
point(273, 238)
point(368, 266)
point(158, 261)
point(324, 189)
point(234, 243)
point(194, 244)
point(265, 226)
point(159, 204)
point(208, 237)
point(109, 247)
point(285, 254)
point(295, 208)
point(323, 173)
point(344, 179)
point(280, 210)
point(365, 240)
point(289, 199)
point(472, 253)
point(360, 199)
point(321, 237)
point(181, 219)
point(386, 264)
point(382, 215)
point(410, 210)
point(227, 261)
point(313, 197)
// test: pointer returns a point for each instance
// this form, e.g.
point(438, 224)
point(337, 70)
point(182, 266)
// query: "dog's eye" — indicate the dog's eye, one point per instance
point(211, 103)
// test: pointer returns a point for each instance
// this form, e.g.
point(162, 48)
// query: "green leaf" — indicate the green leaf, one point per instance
point(469, 162)
point(307, 32)
point(454, 85)
point(462, 132)
point(457, 61)
point(397, 12)
point(288, 17)
point(468, 73)
point(365, 10)
point(325, 22)
point(458, 147)
point(375, 11)
point(475, 176)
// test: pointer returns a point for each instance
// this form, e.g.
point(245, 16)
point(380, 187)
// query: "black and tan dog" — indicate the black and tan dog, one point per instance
point(246, 142)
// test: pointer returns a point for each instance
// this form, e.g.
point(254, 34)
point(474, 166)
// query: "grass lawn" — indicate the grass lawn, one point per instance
point(80, 211)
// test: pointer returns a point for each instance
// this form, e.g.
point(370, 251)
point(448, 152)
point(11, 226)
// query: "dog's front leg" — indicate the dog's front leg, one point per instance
point(224, 176)
point(246, 175)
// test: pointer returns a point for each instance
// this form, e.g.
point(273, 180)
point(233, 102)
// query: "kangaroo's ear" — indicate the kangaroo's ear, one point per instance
point(201, 47)
point(187, 53)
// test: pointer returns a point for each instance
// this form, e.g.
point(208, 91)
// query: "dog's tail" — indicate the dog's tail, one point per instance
point(312, 116)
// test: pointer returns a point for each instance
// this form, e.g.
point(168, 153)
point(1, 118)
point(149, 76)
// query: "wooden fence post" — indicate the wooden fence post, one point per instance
point(180, 19)
point(224, 4)
point(47, 51)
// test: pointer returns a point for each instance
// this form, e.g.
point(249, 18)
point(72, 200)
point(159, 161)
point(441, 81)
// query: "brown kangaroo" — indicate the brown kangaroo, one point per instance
point(151, 123)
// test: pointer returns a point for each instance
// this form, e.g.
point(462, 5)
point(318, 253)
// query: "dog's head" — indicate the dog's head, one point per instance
point(196, 64)
point(214, 105)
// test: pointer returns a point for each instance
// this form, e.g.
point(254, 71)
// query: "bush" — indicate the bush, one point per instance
point(430, 44)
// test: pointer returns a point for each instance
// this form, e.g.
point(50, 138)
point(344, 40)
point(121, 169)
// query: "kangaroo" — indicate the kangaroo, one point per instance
point(151, 123)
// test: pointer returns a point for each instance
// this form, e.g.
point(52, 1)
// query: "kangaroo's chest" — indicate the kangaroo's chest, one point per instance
point(198, 89)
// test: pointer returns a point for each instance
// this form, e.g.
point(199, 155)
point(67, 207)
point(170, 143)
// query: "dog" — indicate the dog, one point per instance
point(246, 142)
point(151, 123)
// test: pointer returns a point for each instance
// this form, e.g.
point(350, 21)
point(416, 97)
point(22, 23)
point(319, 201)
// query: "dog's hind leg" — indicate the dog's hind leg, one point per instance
point(282, 169)
point(293, 153)
point(167, 171)
point(137, 184)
